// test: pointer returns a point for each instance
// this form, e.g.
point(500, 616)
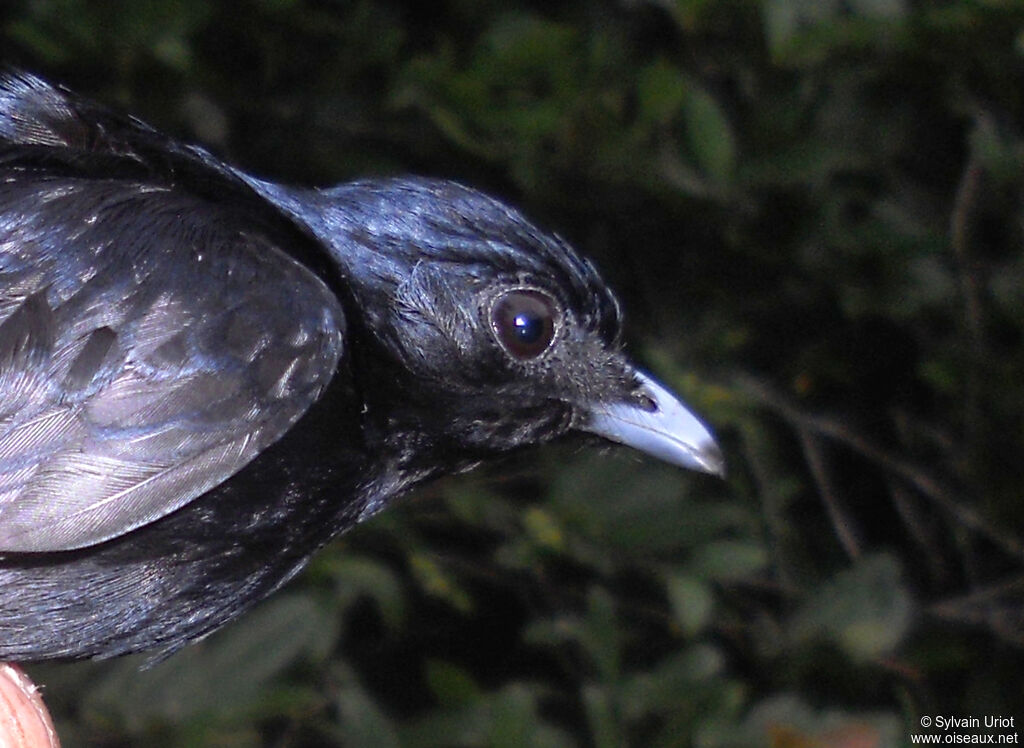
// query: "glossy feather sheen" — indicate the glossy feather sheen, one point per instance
point(127, 386)
point(204, 376)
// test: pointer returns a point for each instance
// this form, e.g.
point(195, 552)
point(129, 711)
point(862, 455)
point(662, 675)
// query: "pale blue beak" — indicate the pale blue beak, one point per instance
point(657, 423)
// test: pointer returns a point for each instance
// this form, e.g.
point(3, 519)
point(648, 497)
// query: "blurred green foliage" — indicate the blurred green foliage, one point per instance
point(812, 211)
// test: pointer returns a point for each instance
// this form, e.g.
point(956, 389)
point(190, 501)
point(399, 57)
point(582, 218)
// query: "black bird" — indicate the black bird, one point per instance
point(204, 377)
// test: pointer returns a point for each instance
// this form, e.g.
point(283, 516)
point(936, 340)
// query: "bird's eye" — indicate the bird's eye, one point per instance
point(524, 322)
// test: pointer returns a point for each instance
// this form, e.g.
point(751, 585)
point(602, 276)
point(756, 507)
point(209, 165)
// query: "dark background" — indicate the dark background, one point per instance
point(812, 211)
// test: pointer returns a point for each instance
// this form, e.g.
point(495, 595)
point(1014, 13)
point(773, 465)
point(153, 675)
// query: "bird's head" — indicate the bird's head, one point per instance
point(478, 333)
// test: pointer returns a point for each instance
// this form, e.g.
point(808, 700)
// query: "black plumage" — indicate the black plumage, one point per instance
point(204, 377)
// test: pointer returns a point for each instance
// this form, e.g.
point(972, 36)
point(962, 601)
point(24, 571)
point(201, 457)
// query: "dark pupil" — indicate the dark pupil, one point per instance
point(524, 322)
point(529, 328)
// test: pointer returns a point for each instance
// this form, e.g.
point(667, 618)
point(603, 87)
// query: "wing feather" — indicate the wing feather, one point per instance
point(151, 345)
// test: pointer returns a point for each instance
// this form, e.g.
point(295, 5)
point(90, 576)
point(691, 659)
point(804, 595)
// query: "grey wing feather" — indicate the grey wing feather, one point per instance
point(149, 349)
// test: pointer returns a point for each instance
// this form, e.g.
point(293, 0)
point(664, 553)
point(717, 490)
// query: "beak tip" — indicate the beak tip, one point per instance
point(711, 459)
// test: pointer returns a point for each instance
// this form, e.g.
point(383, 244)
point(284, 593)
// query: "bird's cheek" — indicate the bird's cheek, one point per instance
point(510, 425)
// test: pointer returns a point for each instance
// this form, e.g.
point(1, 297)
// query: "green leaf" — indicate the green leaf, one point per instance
point(691, 600)
point(709, 136)
point(506, 718)
point(880, 9)
point(544, 529)
point(516, 721)
point(361, 722)
point(728, 560)
point(597, 633)
point(783, 19)
point(615, 502)
point(602, 718)
point(866, 609)
point(450, 684)
point(601, 635)
point(438, 582)
point(661, 89)
point(786, 720)
point(357, 578)
point(672, 681)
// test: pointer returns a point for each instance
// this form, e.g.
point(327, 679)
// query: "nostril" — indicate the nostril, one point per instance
point(646, 402)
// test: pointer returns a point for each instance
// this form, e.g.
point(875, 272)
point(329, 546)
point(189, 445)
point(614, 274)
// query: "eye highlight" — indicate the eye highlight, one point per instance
point(523, 321)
